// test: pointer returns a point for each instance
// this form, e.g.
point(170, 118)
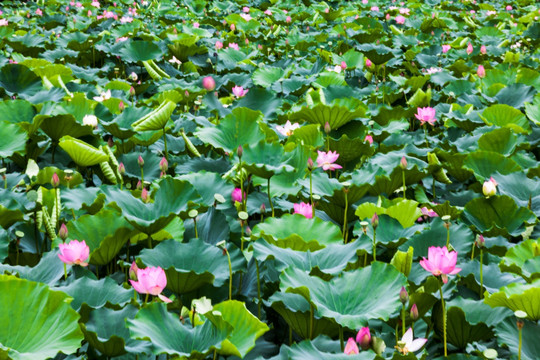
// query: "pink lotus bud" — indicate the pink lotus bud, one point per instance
point(164, 165)
point(490, 187)
point(133, 271)
point(327, 128)
point(139, 185)
point(132, 91)
point(310, 164)
point(260, 47)
point(403, 295)
point(209, 83)
point(121, 105)
point(469, 49)
point(369, 139)
point(63, 232)
point(508, 8)
point(480, 242)
point(375, 220)
point(121, 168)
point(368, 63)
point(144, 195)
point(233, 27)
point(403, 163)
point(236, 195)
point(363, 337)
point(288, 19)
point(481, 71)
point(351, 347)
point(240, 151)
point(140, 161)
point(55, 181)
point(343, 65)
point(247, 41)
point(327, 10)
point(414, 312)
point(483, 50)
point(387, 16)
point(263, 208)
point(219, 45)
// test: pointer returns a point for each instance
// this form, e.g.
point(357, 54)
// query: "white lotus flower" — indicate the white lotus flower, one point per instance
point(104, 96)
point(288, 129)
point(407, 344)
point(90, 120)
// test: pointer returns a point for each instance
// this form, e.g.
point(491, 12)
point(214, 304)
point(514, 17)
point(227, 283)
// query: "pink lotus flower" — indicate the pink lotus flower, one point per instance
point(400, 19)
point(4, 22)
point(234, 46)
point(440, 262)
point(426, 115)
point(469, 49)
point(74, 253)
point(246, 17)
point(343, 65)
point(351, 347)
point(219, 45)
point(407, 344)
point(369, 139)
point(245, 9)
point(365, 2)
point(209, 83)
point(151, 281)
point(326, 160)
point(364, 338)
point(268, 12)
point(404, 11)
point(239, 91)
point(95, 4)
point(490, 187)
point(481, 72)
point(288, 129)
point(445, 48)
point(428, 212)
point(508, 7)
point(303, 209)
point(126, 19)
point(236, 195)
point(196, 25)
point(288, 19)
point(39, 12)
point(374, 8)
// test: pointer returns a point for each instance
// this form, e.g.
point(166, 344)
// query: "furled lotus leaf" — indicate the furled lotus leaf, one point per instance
point(81, 152)
point(43, 321)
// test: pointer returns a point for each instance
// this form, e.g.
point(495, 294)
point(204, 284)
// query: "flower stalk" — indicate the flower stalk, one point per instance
point(444, 318)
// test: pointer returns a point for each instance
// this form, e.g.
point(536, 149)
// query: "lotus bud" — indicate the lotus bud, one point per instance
point(351, 347)
point(483, 50)
point(139, 185)
point(121, 106)
point(480, 242)
point(144, 195)
point(209, 83)
point(121, 168)
point(55, 181)
point(164, 165)
point(375, 221)
point(233, 27)
point(481, 72)
point(490, 187)
point(364, 338)
point(248, 231)
point(327, 128)
point(368, 63)
point(263, 208)
point(343, 65)
point(403, 295)
point(240, 151)
point(63, 232)
point(414, 312)
point(310, 164)
point(133, 271)
point(140, 161)
point(132, 91)
point(133, 77)
point(403, 163)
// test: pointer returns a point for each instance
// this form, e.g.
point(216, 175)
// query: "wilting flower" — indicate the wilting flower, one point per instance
point(288, 129)
point(174, 60)
point(236, 195)
point(400, 19)
point(351, 347)
point(469, 49)
point(90, 120)
point(363, 337)
point(151, 281)
point(74, 253)
point(104, 96)
point(239, 91)
point(303, 209)
point(490, 187)
point(426, 114)
point(440, 262)
point(209, 83)
point(407, 344)
point(326, 160)
point(445, 48)
point(481, 72)
point(428, 212)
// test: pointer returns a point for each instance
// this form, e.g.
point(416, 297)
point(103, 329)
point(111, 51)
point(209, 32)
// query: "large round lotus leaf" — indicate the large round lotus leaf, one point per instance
point(508, 334)
point(47, 271)
point(295, 310)
point(60, 125)
point(376, 298)
point(18, 79)
point(267, 76)
point(140, 50)
point(13, 139)
point(105, 233)
point(169, 335)
point(405, 211)
point(82, 153)
point(96, 293)
point(264, 160)
point(298, 232)
point(524, 297)
point(241, 127)
point(38, 322)
point(506, 116)
point(246, 328)
point(486, 163)
point(502, 141)
point(86, 199)
point(337, 114)
point(208, 184)
point(9, 217)
point(494, 279)
point(309, 135)
point(523, 259)
point(17, 111)
point(350, 149)
point(186, 272)
point(330, 260)
point(107, 332)
point(522, 189)
point(497, 215)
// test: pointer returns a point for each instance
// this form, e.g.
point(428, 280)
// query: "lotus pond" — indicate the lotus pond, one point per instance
point(269, 179)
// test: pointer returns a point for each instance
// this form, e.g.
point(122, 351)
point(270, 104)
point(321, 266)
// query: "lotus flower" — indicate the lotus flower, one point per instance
point(351, 347)
point(426, 115)
point(368, 63)
point(369, 139)
point(407, 344)
point(219, 45)
point(364, 338)
point(288, 129)
point(490, 187)
point(4, 22)
point(483, 50)
point(326, 160)
point(209, 83)
point(90, 120)
point(239, 91)
point(104, 96)
point(440, 262)
point(303, 209)
point(400, 19)
point(151, 281)
point(74, 253)
point(236, 195)
point(445, 48)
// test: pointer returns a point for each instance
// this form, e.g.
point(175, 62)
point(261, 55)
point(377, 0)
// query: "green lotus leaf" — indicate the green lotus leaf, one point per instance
point(186, 272)
point(267, 76)
point(4, 245)
point(107, 332)
point(329, 78)
point(140, 50)
point(96, 293)
point(508, 334)
point(120, 127)
point(14, 139)
point(350, 148)
point(41, 322)
point(47, 271)
point(515, 95)
point(82, 153)
point(516, 296)
point(241, 127)
point(331, 260)
point(503, 115)
point(86, 199)
point(60, 125)
point(378, 297)
point(533, 110)
point(78, 106)
point(265, 160)
point(523, 259)
point(390, 231)
point(337, 114)
point(208, 184)
point(105, 232)
point(9, 217)
point(522, 189)
point(246, 328)
point(169, 335)
point(311, 350)
point(19, 80)
point(17, 112)
point(309, 135)
point(262, 100)
point(45, 175)
point(494, 279)
point(497, 215)
point(485, 163)
point(157, 119)
point(405, 211)
point(298, 232)
point(502, 141)
point(477, 312)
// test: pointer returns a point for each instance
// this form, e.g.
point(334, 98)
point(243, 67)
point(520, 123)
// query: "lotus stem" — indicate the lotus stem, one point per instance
point(259, 304)
point(142, 176)
point(425, 135)
point(444, 319)
point(165, 142)
point(195, 227)
point(311, 193)
point(374, 244)
point(403, 319)
point(311, 320)
point(341, 342)
point(433, 186)
point(345, 229)
point(65, 271)
point(269, 198)
point(146, 299)
point(472, 253)
point(244, 200)
point(215, 354)
point(520, 330)
point(481, 274)
point(404, 186)
point(230, 273)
